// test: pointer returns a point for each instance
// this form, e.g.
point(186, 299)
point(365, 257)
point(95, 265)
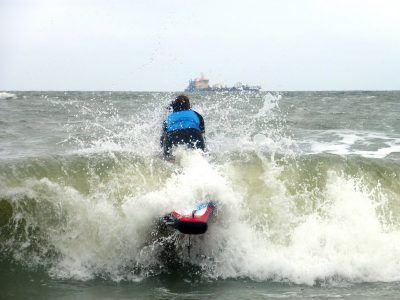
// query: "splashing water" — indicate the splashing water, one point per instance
point(90, 209)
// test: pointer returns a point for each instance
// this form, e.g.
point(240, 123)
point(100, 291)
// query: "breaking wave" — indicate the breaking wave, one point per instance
point(5, 95)
point(283, 215)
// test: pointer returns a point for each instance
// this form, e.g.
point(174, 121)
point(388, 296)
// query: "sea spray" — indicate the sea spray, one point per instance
point(86, 204)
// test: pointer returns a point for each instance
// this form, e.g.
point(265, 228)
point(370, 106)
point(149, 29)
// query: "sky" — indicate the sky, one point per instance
point(158, 45)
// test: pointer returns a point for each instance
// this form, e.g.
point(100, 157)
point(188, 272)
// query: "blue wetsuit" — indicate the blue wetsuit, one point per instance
point(185, 127)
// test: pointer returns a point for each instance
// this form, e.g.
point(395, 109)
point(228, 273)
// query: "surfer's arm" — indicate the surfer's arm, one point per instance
point(202, 128)
point(163, 133)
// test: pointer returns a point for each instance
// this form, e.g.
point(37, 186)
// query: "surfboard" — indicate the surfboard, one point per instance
point(192, 222)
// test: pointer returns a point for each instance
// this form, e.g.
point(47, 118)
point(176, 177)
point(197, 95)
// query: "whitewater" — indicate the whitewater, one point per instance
point(307, 186)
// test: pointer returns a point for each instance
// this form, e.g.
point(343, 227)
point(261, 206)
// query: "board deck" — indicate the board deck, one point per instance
point(192, 222)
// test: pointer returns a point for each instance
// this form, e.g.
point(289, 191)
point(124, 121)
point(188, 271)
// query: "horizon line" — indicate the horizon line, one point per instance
point(165, 91)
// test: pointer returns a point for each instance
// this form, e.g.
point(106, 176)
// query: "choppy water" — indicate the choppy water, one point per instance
point(307, 185)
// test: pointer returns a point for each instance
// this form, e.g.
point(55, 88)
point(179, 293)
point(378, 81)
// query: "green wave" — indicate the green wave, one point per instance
point(44, 200)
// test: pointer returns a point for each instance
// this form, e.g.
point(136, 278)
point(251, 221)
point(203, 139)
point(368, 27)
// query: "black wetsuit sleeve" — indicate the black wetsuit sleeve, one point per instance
point(202, 128)
point(163, 134)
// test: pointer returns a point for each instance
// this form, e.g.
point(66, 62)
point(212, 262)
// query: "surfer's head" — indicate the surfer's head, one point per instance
point(180, 103)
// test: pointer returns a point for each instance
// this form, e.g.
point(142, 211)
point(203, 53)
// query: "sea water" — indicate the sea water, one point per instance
point(307, 186)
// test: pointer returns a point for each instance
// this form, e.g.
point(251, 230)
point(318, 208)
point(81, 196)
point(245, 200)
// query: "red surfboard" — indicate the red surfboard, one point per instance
point(194, 222)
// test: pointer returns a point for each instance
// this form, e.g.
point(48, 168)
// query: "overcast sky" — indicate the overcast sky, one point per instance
point(158, 45)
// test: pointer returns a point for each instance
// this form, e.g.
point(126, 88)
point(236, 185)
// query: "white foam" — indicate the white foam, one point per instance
point(353, 143)
point(393, 147)
point(7, 96)
point(93, 234)
point(346, 239)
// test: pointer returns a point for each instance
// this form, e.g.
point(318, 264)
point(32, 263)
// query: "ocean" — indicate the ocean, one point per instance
point(307, 186)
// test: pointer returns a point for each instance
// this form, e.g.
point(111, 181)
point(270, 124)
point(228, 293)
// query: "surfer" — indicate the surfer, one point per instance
point(183, 126)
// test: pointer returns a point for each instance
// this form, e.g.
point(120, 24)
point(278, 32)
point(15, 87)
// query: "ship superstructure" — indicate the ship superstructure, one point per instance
point(198, 84)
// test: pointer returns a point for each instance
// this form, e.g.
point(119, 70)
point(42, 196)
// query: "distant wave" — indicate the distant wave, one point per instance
point(5, 95)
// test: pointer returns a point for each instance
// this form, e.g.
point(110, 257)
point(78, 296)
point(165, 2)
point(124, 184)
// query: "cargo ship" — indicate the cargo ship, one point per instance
point(201, 84)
